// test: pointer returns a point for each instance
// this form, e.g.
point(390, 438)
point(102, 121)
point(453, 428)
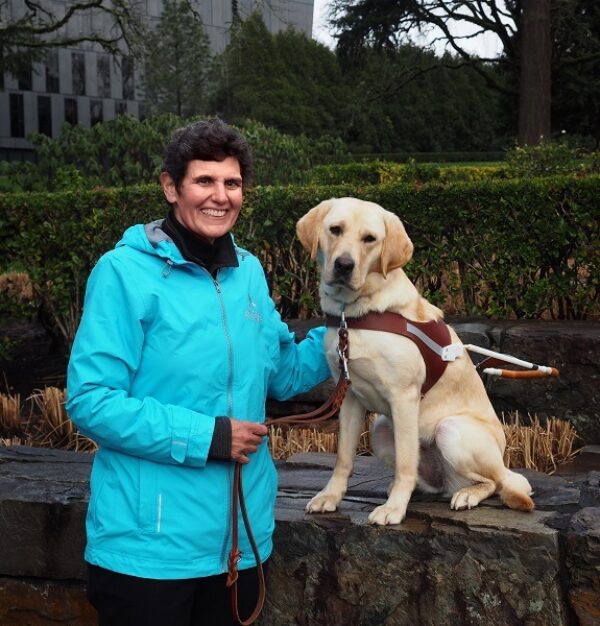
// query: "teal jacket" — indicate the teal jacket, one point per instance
point(163, 348)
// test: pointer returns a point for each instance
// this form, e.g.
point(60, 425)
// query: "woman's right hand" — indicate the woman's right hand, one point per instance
point(245, 439)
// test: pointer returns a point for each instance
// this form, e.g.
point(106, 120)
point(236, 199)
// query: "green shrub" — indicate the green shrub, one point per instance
point(550, 159)
point(500, 248)
point(410, 172)
point(126, 151)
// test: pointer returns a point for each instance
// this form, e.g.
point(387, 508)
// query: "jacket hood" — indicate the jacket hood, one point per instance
point(151, 239)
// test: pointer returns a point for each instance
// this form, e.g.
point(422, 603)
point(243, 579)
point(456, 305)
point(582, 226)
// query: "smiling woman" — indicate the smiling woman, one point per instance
point(179, 345)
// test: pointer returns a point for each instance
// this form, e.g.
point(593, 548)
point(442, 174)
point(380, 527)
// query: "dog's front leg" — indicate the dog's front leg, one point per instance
point(352, 419)
point(405, 416)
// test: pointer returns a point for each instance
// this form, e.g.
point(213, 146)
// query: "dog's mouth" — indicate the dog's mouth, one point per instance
point(339, 281)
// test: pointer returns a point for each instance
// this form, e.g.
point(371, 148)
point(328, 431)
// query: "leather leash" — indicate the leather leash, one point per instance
point(321, 414)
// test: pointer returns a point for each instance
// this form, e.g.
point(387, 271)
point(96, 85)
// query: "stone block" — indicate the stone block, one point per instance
point(29, 602)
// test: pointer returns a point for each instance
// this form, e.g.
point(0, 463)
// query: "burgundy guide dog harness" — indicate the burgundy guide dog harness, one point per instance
point(430, 337)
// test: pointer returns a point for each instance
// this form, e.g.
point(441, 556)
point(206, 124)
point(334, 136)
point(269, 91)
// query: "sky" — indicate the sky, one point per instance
point(485, 46)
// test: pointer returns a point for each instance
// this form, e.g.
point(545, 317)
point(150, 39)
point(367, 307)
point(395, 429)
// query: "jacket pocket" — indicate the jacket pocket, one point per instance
point(98, 482)
point(150, 498)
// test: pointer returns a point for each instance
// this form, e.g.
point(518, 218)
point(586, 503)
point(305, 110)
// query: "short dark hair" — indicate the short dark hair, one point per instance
point(205, 140)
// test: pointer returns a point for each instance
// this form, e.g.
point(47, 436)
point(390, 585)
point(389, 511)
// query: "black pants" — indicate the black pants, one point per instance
point(130, 601)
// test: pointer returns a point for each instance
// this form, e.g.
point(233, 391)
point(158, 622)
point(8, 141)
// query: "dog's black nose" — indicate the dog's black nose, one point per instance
point(344, 265)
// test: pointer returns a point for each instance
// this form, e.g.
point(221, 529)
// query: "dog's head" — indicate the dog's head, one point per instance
point(351, 239)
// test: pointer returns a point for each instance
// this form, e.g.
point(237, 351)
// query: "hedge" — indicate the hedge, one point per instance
point(499, 248)
point(378, 172)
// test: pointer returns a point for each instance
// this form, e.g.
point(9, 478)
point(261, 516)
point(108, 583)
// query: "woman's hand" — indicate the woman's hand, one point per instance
point(245, 439)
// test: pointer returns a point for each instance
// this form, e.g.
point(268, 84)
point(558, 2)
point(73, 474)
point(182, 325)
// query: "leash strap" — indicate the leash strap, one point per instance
point(235, 555)
point(321, 414)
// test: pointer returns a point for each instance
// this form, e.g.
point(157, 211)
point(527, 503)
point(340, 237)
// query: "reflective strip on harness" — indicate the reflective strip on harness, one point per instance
point(432, 345)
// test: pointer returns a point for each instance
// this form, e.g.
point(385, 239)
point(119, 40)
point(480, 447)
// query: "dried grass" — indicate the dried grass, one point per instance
point(530, 442)
point(47, 426)
point(17, 285)
point(10, 414)
point(538, 445)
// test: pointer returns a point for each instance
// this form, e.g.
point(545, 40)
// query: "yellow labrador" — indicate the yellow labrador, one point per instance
point(447, 441)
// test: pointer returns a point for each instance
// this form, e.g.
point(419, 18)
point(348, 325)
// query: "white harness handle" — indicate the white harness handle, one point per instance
point(455, 350)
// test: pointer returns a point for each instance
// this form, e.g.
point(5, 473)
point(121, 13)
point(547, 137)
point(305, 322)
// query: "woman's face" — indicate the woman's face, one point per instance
point(210, 196)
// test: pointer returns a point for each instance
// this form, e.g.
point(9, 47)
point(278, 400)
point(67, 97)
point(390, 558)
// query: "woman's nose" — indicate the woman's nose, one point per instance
point(219, 193)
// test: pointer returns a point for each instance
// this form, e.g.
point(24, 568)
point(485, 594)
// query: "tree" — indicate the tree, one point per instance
point(536, 58)
point(576, 75)
point(177, 62)
point(440, 107)
point(523, 27)
point(286, 81)
point(28, 31)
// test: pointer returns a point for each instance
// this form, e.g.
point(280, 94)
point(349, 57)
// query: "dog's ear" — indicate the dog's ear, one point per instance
point(309, 226)
point(397, 247)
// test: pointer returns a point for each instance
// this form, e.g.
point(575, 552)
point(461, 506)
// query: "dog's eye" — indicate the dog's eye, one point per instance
point(369, 239)
point(336, 231)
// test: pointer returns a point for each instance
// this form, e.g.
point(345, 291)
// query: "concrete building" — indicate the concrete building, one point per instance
point(84, 84)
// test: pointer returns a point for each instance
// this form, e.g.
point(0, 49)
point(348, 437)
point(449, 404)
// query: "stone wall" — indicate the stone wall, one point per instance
point(490, 565)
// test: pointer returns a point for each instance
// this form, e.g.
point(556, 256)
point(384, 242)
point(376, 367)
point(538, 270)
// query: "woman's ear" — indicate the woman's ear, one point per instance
point(169, 189)
point(308, 227)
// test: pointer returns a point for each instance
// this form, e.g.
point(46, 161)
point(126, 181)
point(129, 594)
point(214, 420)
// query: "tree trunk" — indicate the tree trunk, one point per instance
point(536, 58)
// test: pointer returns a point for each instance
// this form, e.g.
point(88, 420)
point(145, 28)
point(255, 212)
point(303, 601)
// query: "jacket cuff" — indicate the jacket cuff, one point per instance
point(220, 447)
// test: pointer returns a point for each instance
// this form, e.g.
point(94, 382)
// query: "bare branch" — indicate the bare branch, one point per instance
point(40, 27)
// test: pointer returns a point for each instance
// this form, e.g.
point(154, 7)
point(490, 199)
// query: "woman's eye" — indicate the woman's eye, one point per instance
point(336, 231)
point(369, 239)
point(233, 184)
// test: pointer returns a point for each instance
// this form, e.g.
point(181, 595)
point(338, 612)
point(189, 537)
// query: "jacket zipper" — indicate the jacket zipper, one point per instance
point(229, 414)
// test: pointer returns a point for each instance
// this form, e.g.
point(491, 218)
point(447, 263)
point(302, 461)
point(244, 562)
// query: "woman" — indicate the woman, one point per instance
point(178, 347)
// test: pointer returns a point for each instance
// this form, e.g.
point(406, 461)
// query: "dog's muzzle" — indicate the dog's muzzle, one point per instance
point(343, 267)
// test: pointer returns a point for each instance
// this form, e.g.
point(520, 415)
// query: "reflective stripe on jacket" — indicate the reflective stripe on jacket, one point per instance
point(163, 348)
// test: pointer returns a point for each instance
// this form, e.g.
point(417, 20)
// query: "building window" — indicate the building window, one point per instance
point(120, 107)
point(71, 111)
point(17, 115)
point(78, 72)
point(95, 112)
point(52, 84)
point(44, 106)
point(127, 76)
point(24, 76)
point(103, 74)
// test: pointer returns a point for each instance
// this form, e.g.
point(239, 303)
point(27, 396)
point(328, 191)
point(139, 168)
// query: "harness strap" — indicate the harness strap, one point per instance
point(430, 337)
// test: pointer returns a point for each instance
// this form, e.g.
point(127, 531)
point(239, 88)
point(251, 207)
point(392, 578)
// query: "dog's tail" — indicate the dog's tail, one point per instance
point(515, 492)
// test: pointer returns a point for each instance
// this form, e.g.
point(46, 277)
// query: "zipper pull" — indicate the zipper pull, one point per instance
point(217, 285)
point(167, 268)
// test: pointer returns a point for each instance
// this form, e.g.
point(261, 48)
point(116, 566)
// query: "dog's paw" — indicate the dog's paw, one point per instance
point(462, 499)
point(384, 515)
point(323, 503)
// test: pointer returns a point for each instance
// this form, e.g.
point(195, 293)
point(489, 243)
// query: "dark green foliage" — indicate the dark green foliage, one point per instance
point(500, 248)
point(177, 62)
point(287, 81)
point(127, 151)
point(409, 100)
point(576, 73)
point(124, 151)
point(550, 159)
